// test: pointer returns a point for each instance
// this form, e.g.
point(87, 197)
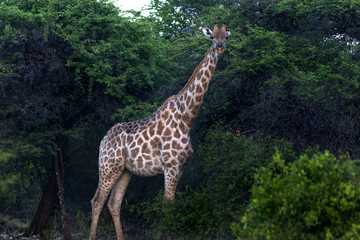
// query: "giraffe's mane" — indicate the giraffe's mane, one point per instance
point(192, 78)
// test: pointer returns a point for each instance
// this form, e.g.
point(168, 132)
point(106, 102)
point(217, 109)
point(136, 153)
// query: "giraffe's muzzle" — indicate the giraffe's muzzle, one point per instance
point(220, 50)
point(220, 47)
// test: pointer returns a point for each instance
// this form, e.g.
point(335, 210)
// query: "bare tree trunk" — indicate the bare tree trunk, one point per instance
point(59, 169)
point(48, 200)
point(45, 208)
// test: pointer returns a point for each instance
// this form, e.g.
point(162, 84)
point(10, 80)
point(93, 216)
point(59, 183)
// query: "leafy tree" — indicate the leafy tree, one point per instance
point(68, 67)
point(315, 197)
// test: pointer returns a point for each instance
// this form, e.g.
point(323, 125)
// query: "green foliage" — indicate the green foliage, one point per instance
point(81, 223)
point(7, 178)
point(314, 72)
point(109, 49)
point(314, 197)
point(17, 175)
point(196, 213)
point(230, 162)
point(8, 195)
point(299, 16)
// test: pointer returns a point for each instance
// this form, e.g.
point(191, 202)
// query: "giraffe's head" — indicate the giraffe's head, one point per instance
point(219, 36)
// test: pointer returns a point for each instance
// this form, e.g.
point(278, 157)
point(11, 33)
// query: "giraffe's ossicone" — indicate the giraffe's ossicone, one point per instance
point(158, 144)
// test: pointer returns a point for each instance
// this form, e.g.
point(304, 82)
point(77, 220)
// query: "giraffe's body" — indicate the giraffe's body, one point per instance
point(158, 144)
point(147, 146)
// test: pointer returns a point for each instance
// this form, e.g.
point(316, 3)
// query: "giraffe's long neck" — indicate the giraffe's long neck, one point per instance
point(191, 96)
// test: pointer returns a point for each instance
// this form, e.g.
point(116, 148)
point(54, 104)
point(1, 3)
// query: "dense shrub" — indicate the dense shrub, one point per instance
point(315, 197)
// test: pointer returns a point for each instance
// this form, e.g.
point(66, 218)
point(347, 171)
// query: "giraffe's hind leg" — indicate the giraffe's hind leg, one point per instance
point(97, 204)
point(115, 200)
point(107, 178)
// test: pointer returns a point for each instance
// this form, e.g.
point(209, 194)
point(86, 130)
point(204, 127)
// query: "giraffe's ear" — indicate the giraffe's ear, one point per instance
point(207, 32)
point(228, 33)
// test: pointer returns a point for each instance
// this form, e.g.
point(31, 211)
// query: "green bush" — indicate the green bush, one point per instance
point(315, 197)
point(194, 214)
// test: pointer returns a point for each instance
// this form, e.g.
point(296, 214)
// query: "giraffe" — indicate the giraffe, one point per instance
point(158, 144)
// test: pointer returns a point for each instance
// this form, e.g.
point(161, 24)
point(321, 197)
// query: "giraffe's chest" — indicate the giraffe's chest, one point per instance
point(150, 155)
point(142, 154)
point(143, 162)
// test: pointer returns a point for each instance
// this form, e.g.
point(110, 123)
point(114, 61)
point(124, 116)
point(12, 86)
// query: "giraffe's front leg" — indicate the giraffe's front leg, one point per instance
point(171, 178)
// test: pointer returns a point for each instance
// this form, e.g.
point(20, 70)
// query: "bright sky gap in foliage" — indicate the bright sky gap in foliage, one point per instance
point(131, 5)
